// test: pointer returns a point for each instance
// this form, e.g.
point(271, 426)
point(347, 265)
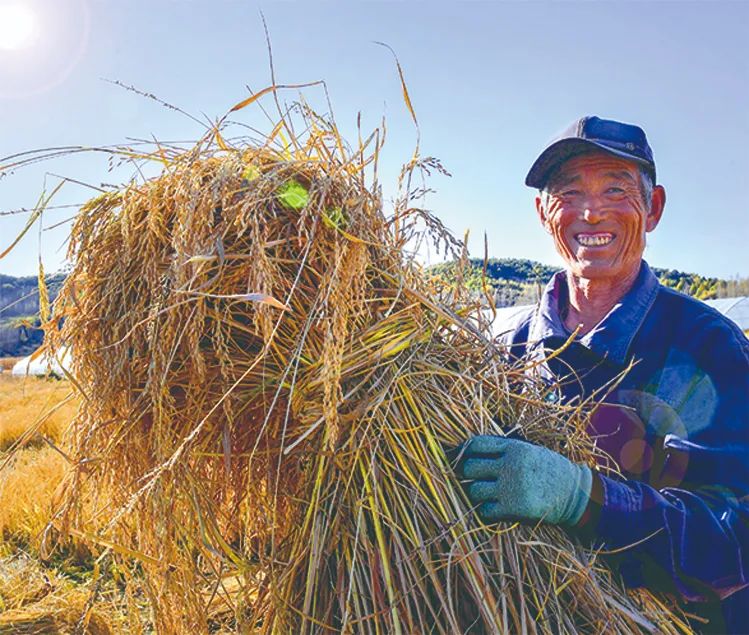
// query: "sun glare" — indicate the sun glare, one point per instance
point(17, 26)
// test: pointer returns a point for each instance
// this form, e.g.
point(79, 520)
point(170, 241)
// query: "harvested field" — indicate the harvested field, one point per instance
point(53, 596)
point(26, 495)
point(7, 363)
point(39, 601)
point(46, 405)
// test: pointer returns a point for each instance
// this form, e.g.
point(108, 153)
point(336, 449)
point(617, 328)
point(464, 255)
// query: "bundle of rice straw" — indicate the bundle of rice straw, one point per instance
point(269, 384)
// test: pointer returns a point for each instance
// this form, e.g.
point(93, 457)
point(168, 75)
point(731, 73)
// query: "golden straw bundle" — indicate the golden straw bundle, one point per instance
point(269, 385)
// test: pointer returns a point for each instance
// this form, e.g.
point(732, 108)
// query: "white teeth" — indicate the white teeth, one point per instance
point(594, 240)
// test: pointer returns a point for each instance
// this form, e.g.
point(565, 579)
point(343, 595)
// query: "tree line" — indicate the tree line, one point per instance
point(515, 281)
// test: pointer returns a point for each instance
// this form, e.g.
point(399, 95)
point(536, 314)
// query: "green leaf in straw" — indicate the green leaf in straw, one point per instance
point(293, 195)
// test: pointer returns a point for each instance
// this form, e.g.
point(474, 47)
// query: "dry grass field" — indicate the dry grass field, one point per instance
point(28, 401)
point(34, 413)
point(38, 597)
point(7, 363)
point(27, 487)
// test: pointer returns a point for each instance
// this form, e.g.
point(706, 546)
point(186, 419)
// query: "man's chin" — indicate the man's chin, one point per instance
point(591, 270)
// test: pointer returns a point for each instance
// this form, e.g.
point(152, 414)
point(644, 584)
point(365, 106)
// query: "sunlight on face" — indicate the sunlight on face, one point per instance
point(17, 26)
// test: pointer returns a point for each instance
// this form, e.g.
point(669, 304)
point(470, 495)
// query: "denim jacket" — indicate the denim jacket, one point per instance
point(676, 424)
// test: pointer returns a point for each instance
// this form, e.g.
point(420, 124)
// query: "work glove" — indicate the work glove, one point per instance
point(516, 480)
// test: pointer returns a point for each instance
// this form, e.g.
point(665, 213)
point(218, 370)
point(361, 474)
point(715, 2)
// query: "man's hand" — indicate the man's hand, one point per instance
point(516, 480)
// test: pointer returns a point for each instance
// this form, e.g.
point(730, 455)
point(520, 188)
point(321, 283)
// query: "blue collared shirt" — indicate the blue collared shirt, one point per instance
point(675, 422)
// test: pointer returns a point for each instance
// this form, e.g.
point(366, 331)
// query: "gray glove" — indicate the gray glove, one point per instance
point(517, 480)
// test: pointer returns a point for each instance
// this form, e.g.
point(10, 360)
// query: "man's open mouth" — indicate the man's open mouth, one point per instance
point(594, 240)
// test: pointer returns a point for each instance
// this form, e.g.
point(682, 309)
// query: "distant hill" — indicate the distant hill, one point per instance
point(511, 280)
point(518, 281)
point(19, 313)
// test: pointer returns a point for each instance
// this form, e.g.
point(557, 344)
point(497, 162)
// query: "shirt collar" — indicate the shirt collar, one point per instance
point(612, 336)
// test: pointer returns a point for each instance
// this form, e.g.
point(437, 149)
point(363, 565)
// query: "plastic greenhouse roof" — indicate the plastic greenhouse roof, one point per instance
point(736, 309)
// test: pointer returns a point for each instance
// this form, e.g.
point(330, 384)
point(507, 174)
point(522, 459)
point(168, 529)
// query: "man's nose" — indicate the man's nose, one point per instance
point(592, 211)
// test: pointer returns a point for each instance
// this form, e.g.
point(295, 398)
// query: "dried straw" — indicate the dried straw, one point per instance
point(37, 600)
point(269, 384)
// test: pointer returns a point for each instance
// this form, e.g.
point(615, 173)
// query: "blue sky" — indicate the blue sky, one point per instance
point(491, 83)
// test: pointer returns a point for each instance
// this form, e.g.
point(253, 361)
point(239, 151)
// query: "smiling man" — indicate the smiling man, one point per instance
point(675, 419)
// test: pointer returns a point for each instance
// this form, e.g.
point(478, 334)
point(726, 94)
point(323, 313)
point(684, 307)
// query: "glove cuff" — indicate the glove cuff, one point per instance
point(579, 497)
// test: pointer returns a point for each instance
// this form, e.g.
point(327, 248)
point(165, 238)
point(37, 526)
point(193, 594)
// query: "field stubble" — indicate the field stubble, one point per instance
point(36, 596)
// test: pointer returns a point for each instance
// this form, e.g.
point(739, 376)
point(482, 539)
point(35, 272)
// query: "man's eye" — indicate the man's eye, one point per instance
point(616, 190)
point(570, 193)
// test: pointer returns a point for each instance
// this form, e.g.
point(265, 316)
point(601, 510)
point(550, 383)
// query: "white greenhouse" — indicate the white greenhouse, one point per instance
point(43, 365)
point(735, 309)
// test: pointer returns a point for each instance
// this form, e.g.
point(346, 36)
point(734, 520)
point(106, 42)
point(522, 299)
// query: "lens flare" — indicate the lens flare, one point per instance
point(17, 26)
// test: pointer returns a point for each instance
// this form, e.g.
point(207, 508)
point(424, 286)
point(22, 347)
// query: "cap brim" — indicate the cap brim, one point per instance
point(565, 149)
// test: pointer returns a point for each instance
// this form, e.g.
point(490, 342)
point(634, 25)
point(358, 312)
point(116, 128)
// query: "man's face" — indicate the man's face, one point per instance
point(596, 214)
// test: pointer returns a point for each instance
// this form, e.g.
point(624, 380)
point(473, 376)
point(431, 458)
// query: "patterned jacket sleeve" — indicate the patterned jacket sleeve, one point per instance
point(692, 538)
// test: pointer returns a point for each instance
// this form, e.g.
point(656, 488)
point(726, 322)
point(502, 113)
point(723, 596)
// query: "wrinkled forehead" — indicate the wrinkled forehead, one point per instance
point(594, 164)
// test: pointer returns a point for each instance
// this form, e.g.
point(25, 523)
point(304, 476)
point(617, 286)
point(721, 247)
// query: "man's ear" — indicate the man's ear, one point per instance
point(657, 203)
point(541, 211)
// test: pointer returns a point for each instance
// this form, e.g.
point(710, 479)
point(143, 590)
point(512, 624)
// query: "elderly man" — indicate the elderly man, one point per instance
point(677, 422)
